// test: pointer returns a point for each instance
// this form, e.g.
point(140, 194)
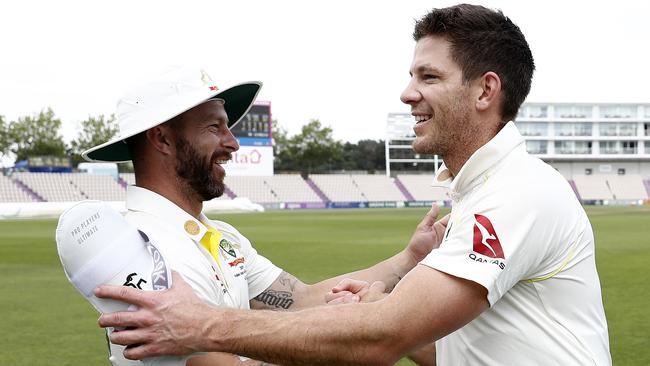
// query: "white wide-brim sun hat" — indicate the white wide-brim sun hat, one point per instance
point(171, 93)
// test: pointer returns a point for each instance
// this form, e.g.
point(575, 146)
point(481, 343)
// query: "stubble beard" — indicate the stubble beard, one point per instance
point(196, 173)
point(448, 133)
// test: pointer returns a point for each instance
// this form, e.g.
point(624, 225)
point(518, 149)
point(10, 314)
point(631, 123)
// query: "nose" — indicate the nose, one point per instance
point(230, 142)
point(410, 95)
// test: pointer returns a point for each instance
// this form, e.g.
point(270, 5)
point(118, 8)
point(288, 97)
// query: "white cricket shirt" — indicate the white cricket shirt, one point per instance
point(518, 230)
point(241, 273)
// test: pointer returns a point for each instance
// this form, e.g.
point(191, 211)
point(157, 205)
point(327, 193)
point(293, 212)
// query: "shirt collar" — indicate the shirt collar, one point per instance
point(483, 159)
point(143, 200)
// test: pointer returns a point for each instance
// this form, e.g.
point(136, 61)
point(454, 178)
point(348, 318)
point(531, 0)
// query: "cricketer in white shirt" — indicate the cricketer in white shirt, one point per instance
point(234, 278)
point(518, 230)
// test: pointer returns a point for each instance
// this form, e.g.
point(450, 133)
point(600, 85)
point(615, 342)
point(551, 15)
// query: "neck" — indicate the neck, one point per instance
point(172, 189)
point(456, 159)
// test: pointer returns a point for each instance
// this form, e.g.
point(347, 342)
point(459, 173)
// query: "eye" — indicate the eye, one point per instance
point(430, 77)
point(215, 127)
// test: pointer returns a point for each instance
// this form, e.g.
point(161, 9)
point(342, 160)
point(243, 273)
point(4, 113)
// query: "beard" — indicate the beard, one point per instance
point(449, 130)
point(196, 172)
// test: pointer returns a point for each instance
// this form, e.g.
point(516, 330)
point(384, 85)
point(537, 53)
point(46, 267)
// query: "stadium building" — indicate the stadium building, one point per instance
point(603, 150)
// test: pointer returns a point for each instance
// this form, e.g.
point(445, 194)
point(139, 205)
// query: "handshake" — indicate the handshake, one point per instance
point(349, 290)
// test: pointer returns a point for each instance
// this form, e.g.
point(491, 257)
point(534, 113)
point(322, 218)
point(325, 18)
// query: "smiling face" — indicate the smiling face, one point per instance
point(439, 100)
point(203, 143)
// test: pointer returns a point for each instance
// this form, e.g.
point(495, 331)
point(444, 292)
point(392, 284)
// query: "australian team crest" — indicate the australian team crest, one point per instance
point(228, 247)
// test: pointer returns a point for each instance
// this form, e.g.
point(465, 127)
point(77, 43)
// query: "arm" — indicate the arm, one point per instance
point(223, 359)
point(177, 322)
point(426, 237)
point(425, 355)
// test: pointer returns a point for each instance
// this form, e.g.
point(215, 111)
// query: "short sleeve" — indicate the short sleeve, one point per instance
point(489, 246)
point(260, 272)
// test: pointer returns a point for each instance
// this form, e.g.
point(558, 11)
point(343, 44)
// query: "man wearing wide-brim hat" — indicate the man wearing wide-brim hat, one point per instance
point(176, 130)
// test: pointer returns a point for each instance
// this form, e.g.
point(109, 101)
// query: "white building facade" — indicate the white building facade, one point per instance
point(575, 138)
point(586, 139)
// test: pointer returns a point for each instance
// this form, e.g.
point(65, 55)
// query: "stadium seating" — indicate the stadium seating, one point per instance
point(378, 187)
point(98, 187)
point(10, 192)
point(254, 188)
point(419, 186)
point(627, 187)
point(291, 188)
point(593, 187)
point(53, 187)
point(338, 187)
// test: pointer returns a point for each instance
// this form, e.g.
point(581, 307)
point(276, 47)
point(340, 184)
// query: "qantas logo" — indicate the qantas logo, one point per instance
point(237, 261)
point(486, 241)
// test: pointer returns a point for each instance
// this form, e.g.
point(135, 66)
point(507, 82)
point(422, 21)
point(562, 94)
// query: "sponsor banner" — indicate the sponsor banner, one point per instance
point(385, 204)
point(347, 204)
point(251, 161)
point(446, 203)
point(254, 141)
point(418, 203)
point(304, 205)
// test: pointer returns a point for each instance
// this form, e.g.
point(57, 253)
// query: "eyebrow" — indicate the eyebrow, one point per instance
point(426, 68)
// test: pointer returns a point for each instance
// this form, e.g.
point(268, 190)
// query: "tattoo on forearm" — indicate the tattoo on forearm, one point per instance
point(288, 280)
point(276, 299)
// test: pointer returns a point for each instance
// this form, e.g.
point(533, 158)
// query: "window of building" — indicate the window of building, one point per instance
point(538, 111)
point(607, 129)
point(582, 129)
point(533, 128)
point(536, 147)
point(618, 111)
point(627, 129)
point(573, 147)
point(573, 129)
point(646, 146)
point(609, 147)
point(573, 111)
point(646, 128)
point(629, 147)
point(621, 171)
point(588, 171)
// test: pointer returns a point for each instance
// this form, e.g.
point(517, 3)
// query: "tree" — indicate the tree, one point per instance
point(94, 131)
point(37, 135)
point(4, 137)
point(368, 155)
point(282, 154)
point(313, 150)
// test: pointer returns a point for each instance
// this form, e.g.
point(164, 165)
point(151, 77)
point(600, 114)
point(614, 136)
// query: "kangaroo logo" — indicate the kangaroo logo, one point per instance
point(486, 241)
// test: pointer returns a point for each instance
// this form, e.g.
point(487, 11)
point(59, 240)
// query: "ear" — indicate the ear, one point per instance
point(490, 89)
point(161, 139)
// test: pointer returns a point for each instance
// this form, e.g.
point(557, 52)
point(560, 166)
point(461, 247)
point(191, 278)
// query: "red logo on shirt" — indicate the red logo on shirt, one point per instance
point(486, 241)
point(237, 261)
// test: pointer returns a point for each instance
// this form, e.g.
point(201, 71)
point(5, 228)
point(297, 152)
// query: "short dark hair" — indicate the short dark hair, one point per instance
point(483, 40)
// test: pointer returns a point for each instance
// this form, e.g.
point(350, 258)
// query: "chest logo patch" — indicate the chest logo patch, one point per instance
point(228, 247)
point(191, 227)
point(486, 241)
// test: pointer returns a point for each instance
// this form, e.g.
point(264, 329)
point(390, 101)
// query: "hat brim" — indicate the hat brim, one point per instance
point(238, 101)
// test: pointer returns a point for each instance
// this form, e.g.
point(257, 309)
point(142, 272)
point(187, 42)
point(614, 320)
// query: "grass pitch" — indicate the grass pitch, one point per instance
point(45, 322)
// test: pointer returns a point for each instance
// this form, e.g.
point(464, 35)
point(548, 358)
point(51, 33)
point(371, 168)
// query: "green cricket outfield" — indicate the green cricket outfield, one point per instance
point(46, 322)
